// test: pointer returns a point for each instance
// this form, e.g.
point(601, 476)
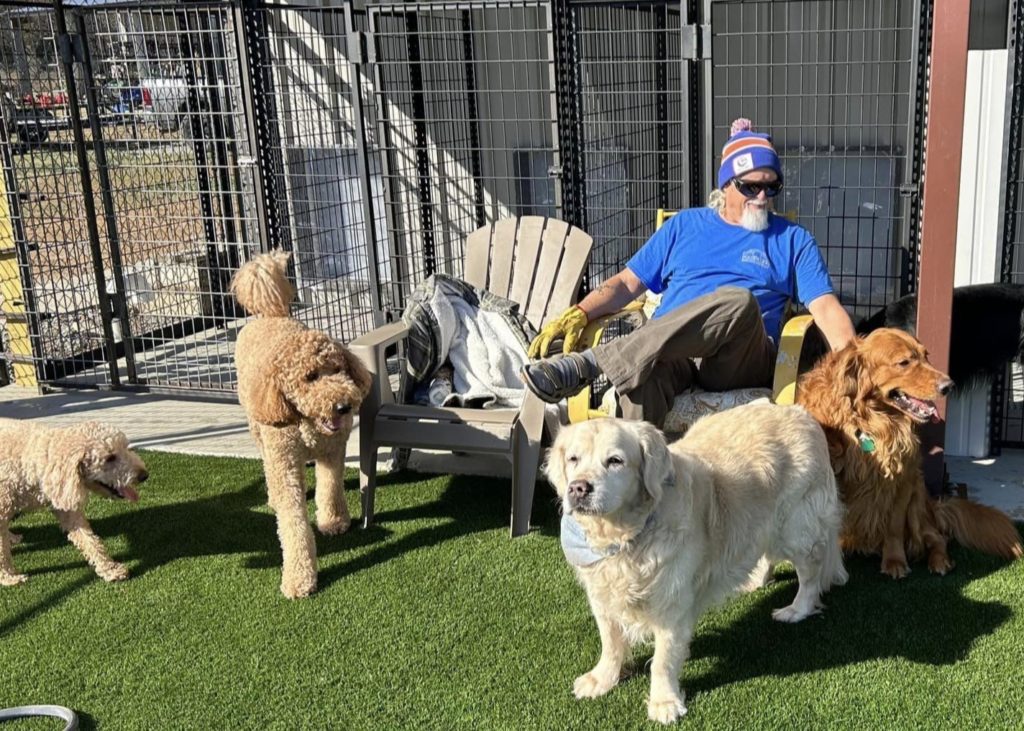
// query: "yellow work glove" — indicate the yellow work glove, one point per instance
point(569, 325)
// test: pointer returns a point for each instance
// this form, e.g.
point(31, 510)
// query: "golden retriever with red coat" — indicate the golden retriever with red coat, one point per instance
point(869, 397)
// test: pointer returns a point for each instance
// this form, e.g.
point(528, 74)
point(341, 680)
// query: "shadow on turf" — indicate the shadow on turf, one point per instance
point(468, 505)
point(238, 522)
point(923, 618)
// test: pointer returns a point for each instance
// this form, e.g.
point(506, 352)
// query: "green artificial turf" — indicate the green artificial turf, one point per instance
point(436, 619)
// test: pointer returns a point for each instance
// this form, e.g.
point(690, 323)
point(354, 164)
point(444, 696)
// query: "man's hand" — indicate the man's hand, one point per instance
point(569, 325)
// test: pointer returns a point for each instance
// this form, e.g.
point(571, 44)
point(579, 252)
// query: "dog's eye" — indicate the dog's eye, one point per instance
point(904, 363)
point(334, 370)
point(572, 459)
point(614, 461)
point(312, 376)
point(110, 458)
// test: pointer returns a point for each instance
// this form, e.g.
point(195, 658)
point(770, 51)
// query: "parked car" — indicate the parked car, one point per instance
point(168, 102)
point(130, 100)
point(31, 124)
point(45, 100)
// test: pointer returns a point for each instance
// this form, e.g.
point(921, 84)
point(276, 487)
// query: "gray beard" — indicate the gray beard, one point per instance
point(754, 219)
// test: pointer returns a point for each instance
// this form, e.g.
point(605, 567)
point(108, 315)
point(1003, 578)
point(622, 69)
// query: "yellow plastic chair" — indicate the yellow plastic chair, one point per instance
point(787, 361)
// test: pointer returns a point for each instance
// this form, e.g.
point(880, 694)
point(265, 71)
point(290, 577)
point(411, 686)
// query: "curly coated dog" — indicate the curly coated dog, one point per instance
point(299, 388)
point(58, 468)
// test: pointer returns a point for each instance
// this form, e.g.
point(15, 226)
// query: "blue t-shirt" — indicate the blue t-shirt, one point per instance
point(696, 252)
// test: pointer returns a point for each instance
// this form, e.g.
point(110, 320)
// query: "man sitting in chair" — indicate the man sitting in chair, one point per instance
point(726, 273)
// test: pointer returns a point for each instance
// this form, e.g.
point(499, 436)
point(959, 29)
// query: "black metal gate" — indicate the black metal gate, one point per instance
point(841, 87)
point(121, 162)
point(1008, 393)
point(148, 149)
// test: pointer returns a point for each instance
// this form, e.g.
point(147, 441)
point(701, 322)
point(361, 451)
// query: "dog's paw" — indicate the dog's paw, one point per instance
point(8, 579)
point(791, 614)
point(940, 563)
point(333, 526)
point(897, 568)
point(297, 589)
point(113, 572)
point(594, 685)
point(666, 710)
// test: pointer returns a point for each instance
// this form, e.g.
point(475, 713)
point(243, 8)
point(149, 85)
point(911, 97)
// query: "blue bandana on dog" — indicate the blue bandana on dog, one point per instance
point(578, 550)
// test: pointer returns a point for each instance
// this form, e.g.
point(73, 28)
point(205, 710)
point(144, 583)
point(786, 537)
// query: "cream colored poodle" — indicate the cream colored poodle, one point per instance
point(58, 467)
point(299, 389)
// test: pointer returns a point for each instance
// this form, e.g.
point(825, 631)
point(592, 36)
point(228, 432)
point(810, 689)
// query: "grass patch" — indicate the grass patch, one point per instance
point(436, 619)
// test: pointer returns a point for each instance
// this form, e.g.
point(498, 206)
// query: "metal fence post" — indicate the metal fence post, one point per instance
point(397, 246)
point(118, 298)
point(24, 355)
point(910, 190)
point(358, 57)
point(570, 156)
point(699, 78)
point(71, 50)
point(1013, 139)
point(419, 116)
point(469, 59)
point(258, 101)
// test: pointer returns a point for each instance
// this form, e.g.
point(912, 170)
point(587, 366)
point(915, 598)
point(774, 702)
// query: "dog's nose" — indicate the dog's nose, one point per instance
point(580, 488)
point(342, 408)
point(946, 386)
point(143, 476)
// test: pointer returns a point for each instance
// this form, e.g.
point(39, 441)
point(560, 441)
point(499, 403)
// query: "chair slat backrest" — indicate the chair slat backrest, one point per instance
point(535, 261)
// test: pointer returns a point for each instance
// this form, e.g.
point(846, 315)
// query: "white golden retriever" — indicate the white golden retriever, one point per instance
point(658, 534)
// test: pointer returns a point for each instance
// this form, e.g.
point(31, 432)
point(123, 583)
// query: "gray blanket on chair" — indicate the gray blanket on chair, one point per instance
point(482, 335)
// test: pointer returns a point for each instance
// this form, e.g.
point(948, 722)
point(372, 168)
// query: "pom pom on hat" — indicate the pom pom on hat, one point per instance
point(740, 125)
point(747, 150)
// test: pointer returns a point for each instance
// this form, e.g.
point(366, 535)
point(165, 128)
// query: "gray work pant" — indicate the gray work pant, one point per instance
point(717, 342)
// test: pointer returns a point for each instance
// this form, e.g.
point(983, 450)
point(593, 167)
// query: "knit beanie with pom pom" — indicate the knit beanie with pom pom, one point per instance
point(747, 150)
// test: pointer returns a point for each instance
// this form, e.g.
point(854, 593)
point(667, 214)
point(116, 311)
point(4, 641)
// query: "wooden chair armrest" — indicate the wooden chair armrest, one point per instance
point(788, 360)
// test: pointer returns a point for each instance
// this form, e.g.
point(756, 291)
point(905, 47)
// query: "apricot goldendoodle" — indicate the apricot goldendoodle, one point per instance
point(59, 467)
point(299, 388)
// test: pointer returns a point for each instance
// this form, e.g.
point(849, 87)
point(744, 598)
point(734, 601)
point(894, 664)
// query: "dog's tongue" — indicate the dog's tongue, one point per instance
point(129, 494)
point(925, 407)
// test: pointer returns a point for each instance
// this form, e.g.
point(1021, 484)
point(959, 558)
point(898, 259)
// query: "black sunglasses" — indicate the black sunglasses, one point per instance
point(752, 190)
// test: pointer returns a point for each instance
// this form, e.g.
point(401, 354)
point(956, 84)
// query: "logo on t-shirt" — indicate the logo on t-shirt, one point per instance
point(742, 163)
point(754, 256)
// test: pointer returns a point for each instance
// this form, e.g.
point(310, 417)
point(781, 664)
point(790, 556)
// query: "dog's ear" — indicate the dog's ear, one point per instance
point(554, 467)
point(263, 397)
point(62, 480)
point(854, 377)
point(658, 470)
point(357, 372)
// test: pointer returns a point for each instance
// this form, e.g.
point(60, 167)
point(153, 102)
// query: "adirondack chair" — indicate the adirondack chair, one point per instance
point(535, 261)
point(690, 406)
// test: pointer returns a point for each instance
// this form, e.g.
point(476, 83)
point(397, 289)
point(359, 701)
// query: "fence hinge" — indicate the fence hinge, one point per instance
point(695, 41)
point(70, 48)
point(555, 171)
point(116, 304)
point(909, 190)
point(360, 50)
